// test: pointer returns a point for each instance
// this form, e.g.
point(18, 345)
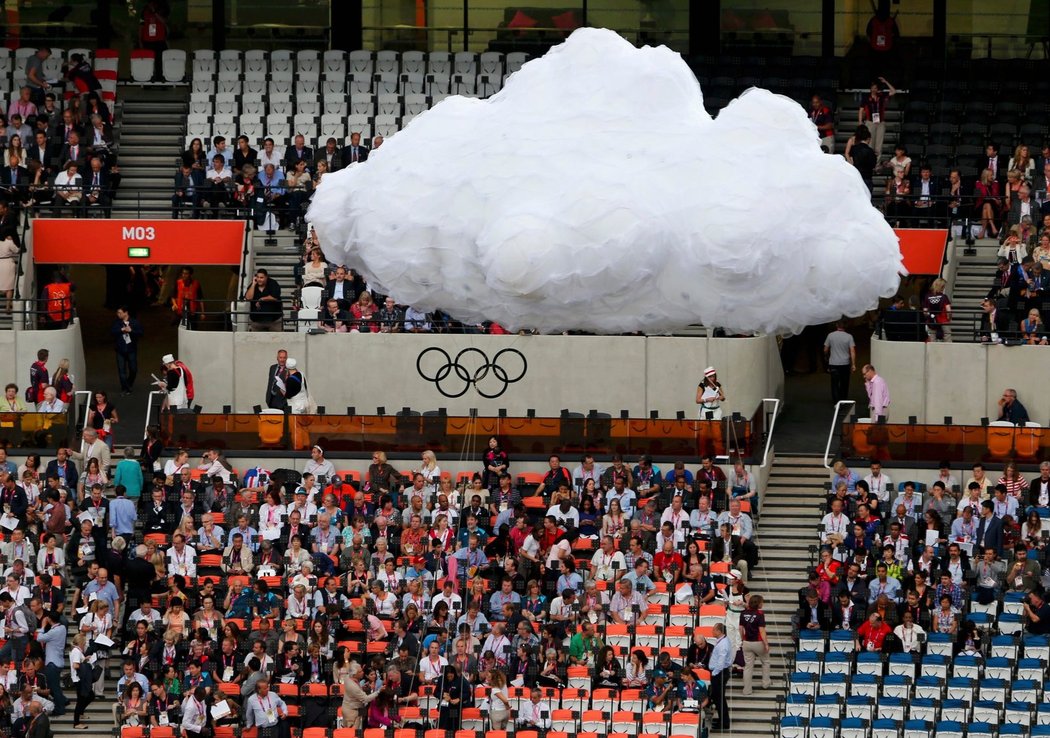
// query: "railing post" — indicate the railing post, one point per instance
point(834, 426)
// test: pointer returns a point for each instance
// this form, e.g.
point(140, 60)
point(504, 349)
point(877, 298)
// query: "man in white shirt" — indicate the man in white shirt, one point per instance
point(565, 514)
point(945, 476)
point(880, 484)
point(534, 714)
point(608, 564)
point(181, 558)
point(627, 607)
point(318, 465)
point(449, 597)
point(587, 469)
point(145, 612)
point(51, 403)
point(702, 519)
point(499, 644)
point(213, 464)
point(676, 515)
point(836, 525)
point(68, 186)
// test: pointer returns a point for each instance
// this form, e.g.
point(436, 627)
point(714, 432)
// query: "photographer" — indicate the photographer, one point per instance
point(1037, 609)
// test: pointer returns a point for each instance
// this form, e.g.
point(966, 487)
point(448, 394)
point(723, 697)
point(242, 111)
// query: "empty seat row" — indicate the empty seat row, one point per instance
point(312, 65)
point(228, 105)
point(473, 85)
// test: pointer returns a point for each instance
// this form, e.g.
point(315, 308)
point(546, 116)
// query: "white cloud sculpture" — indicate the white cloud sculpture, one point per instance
point(594, 192)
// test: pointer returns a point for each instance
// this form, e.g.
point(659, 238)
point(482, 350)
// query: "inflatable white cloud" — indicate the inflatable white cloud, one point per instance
point(594, 192)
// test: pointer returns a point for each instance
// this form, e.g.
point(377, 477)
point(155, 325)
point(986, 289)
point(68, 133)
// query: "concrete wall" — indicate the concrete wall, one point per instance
point(18, 350)
point(963, 380)
point(580, 373)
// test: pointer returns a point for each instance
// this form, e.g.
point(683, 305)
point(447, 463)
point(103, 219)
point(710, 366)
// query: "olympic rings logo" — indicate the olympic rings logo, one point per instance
point(472, 368)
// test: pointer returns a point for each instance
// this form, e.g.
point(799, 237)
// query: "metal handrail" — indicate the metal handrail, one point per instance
point(149, 408)
point(87, 404)
point(772, 425)
point(834, 426)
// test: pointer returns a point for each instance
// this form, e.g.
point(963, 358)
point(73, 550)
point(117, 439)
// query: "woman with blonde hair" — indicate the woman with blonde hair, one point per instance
point(63, 382)
point(937, 309)
point(80, 668)
point(429, 470)
point(1032, 330)
point(1022, 162)
point(381, 478)
point(987, 203)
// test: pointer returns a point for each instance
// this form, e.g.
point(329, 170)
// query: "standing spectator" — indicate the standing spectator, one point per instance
point(872, 113)
point(878, 392)
point(862, 156)
point(79, 72)
point(129, 476)
point(275, 377)
point(754, 642)
point(39, 377)
point(187, 299)
point(822, 118)
point(126, 332)
point(264, 296)
point(840, 350)
point(710, 395)
point(35, 78)
point(177, 382)
point(721, 665)
point(63, 382)
point(987, 203)
point(153, 32)
point(937, 309)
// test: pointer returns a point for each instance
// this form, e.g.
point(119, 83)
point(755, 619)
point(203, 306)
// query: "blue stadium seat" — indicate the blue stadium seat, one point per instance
point(865, 685)
point(884, 728)
point(1010, 623)
point(808, 661)
point(833, 684)
point(961, 689)
point(917, 729)
point(860, 706)
point(925, 709)
point(998, 667)
point(949, 729)
point(869, 662)
point(853, 728)
point(993, 690)
point(896, 686)
point(828, 705)
point(939, 644)
point(841, 640)
point(902, 663)
point(1025, 691)
point(802, 683)
point(1019, 712)
point(838, 662)
point(793, 727)
point(987, 711)
point(811, 641)
point(799, 705)
point(955, 710)
point(929, 687)
point(1030, 669)
point(823, 727)
point(1011, 729)
point(935, 665)
point(891, 708)
point(980, 619)
point(979, 730)
point(1042, 719)
point(967, 667)
point(1036, 647)
point(1004, 646)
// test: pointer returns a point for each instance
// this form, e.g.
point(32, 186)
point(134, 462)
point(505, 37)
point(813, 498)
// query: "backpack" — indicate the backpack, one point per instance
point(31, 622)
point(188, 378)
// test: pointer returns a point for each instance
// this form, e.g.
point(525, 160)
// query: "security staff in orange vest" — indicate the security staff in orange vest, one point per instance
point(57, 298)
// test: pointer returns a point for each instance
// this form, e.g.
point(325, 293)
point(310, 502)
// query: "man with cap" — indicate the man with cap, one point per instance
point(318, 465)
point(176, 383)
point(709, 396)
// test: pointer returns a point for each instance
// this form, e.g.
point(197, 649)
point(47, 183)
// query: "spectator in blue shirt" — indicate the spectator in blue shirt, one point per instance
point(122, 513)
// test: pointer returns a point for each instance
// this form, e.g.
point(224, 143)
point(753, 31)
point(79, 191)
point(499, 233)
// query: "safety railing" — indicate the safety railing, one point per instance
point(915, 326)
point(412, 431)
point(964, 444)
point(839, 406)
point(44, 313)
point(772, 422)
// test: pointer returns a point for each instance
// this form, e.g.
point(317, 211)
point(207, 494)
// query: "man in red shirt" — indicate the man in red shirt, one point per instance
point(872, 634)
point(822, 118)
point(668, 563)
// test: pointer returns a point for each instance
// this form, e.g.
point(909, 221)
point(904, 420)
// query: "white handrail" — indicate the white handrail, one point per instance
point(149, 409)
point(772, 424)
point(76, 401)
point(834, 426)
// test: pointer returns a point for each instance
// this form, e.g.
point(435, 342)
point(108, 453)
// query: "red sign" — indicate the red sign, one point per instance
point(99, 241)
point(922, 249)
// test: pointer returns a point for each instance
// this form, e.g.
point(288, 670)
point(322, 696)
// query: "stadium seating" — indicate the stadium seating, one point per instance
point(279, 94)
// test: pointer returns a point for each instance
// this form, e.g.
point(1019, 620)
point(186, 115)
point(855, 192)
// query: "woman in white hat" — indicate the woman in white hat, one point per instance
point(296, 391)
point(709, 396)
point(735, 595)
point(175, 383)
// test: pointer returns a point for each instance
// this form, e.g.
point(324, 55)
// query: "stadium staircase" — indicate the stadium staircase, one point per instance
point(847, 105)
point(280, 255)
point(973, 278)
point(151, 140)
point(786, 533)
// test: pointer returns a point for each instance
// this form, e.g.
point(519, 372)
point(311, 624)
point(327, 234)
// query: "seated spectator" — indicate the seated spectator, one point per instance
point(333, 319)
point(898, 199)
point(1033, 332)
point(194, 156)
point(219, 148)
point(219, 183)
point(98, 189)
point(909, 634)
point(271, 181)
point(270, 154)
point(298, 151)
point(189, 184)
point(1037, 611)
point(330, 155)
point(266, 311)
point(68, 190)
point(416, 321)
point(364, 313)
point(244, 154)
point(871, 635)
point(299, 186)
point(1011, 409)
point(354, 152)
point(390, 317)
point(316, 268)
